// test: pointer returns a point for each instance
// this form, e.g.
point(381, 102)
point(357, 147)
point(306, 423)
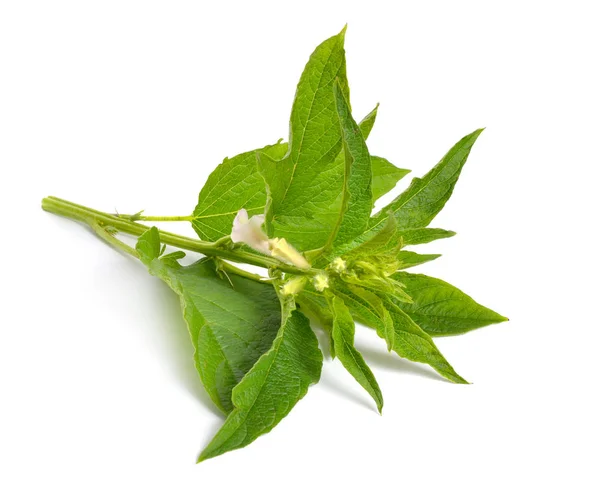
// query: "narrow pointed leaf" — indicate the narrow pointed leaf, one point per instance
point(425, 197)
point(412, 343)
point(231, 324)
point(384, 241)
point(385, 176)
point(272, 387)
point(367, 123)
point(353, 361)
point(407, 259)
point(368, 308)
point(420, 236)
point(442, 309)
point(357, 199)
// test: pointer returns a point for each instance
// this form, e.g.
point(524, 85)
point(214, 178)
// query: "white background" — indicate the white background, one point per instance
point(129, 105)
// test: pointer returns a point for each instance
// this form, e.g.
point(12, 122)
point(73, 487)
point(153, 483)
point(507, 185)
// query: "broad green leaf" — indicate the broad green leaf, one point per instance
point(273, 386)
point(231, 324)
point(419, 236)
point(353, 361)
point(412, 343)
point(442, 309)
point(357, 198)
point(407, 259)
point(235, 184)
point(385, 176)
point(303, 187)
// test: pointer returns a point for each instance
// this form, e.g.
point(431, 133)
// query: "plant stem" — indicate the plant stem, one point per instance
point(137, 217)
point(113, 240)
point(96, 218)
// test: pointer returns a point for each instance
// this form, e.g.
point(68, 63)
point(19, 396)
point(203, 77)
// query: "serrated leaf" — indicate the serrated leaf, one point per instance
point(231, 324)
point(235, 184)
point(272, 387)
point(357, 199)
point(302, 188)
point(442, 309)
point(412, 343)
point(407, 259)
point(353, 361)
point(385, 176)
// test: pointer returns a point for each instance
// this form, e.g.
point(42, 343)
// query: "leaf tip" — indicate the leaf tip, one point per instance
point(203, 457)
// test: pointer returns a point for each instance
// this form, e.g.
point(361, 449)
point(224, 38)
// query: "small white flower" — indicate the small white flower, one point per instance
point(338, 265)
point(321, 281)
point(249, 231)
point(281, 249)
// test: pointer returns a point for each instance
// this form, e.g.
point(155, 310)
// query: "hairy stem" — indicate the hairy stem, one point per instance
point(103, 220)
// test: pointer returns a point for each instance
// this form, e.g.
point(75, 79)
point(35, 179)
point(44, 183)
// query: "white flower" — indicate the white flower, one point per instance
point(338, 265)
point(249, 231)
point(281, 249)
point(321, 281)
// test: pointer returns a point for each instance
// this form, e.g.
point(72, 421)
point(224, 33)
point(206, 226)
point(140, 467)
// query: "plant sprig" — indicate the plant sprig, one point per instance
point(303, 210)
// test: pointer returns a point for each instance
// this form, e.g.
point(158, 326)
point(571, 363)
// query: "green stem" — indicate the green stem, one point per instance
point(94, 218)
point(230, 268)
point(137, 217)
point(113, 240)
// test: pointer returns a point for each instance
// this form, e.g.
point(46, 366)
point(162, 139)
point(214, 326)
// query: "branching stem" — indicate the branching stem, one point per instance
point(99, 221)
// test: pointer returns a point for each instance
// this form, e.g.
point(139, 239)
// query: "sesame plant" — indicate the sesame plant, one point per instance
point(303, 211)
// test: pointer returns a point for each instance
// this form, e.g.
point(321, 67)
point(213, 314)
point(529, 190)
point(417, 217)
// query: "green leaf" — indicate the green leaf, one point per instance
point(269, 391)
point(371, 311)
point(314, 306)
point(425, 197)
point(442, 309)
point(231, 324)
point(303, 187)
point(420, 236)
point(366, 125)
point(407, 259)
point(384, 241)
point(357, 200)
point(412, 343)
point(235, 184)
point(385, 176)
point(401, 334)
point(343, 338)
